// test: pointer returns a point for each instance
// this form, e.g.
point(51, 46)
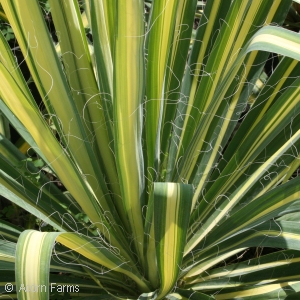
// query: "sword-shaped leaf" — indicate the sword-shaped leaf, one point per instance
point(172, 204)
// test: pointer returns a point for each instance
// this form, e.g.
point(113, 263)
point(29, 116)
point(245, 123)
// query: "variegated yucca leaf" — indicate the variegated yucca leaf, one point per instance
point(174, 165)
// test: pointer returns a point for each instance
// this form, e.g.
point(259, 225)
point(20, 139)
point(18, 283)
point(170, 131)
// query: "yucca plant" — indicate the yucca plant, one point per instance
point(172, 169)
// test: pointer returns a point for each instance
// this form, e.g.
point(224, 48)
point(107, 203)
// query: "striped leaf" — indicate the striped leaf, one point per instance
point(160, 32)
point(128, 96)
point(172, 204)
point(85, 92)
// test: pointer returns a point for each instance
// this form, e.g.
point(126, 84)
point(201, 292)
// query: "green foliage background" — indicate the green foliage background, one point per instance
point(155, 149)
